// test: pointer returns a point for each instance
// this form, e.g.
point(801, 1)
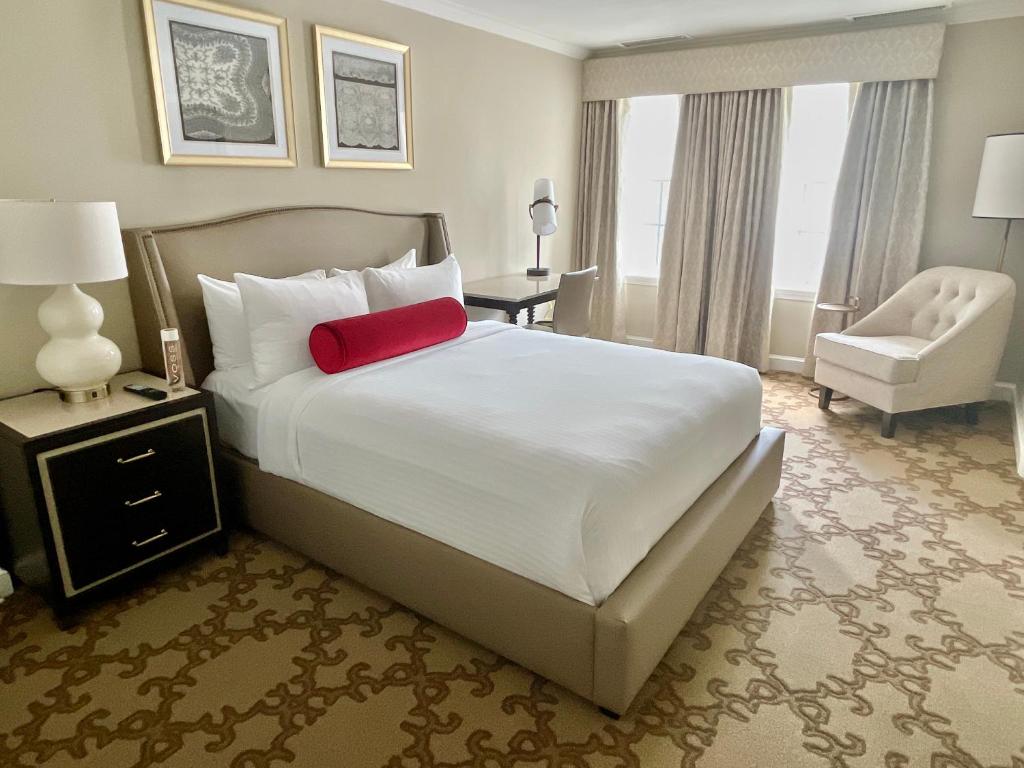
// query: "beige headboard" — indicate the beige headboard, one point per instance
point(163, 262)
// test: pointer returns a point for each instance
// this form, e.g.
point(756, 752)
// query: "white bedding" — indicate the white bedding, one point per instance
point(560, 459)
point(237, 406)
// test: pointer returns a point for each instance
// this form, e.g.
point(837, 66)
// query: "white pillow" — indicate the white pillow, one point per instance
point(224, 315)
point(406, 262)
point(281, 313)
point(390, 288)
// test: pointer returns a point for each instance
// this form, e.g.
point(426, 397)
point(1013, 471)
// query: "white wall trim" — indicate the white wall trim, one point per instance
point(785, 363)
point(6, 587)
point(1018, 427)
point(1008, 392)
point(959, 13)
point(449, 11)
point(790, 294)
point(1003, 392)
point(984, 10)
point(640, 280)
point(640, 341)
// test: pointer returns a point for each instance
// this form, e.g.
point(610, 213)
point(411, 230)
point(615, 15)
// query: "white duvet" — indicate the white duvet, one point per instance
point(560, 459)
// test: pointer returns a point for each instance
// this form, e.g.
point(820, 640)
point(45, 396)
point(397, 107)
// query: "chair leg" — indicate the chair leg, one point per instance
point(971, 413)
point(888, 425)
point(824, 398)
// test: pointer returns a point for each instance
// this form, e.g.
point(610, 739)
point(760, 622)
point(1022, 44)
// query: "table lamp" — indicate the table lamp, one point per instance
point(1000, 192)
point(543, 211)
point(61, 244)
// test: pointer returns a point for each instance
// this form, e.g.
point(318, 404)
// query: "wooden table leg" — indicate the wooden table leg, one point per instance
point(513, 317)
point(529, 314)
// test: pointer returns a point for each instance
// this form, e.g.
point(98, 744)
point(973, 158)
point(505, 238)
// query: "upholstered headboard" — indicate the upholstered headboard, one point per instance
point(163, 262)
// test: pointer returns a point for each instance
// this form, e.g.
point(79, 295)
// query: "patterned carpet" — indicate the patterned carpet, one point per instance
point(874, 617)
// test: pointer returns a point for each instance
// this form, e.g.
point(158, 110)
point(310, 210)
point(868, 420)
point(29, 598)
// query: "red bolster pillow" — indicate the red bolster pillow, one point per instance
point(339, 345)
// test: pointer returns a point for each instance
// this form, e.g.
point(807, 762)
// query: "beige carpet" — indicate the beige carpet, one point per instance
point(874, 617)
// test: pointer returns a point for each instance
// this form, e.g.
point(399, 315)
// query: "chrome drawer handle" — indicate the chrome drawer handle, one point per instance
point(151, 539)
point(144, 499)
point(145, 455)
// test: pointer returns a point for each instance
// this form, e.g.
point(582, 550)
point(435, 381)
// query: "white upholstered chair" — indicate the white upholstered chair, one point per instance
point(571, 314)
point(937, 341)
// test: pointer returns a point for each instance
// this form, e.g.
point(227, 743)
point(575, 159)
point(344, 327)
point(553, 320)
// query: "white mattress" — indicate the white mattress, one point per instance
point(561, 459)
point(237, 407)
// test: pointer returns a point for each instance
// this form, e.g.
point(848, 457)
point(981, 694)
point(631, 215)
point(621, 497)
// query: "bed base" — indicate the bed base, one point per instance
point(604, 653)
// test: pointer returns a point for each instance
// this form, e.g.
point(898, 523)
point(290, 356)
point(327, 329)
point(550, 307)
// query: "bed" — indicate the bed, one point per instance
point(572, 537)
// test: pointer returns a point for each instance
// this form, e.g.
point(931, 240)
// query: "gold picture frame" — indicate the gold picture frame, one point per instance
point(271, 110)
point(375, 53)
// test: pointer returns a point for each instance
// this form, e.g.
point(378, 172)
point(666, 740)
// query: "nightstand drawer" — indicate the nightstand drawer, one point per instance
point(129, 466)
point(122, 499)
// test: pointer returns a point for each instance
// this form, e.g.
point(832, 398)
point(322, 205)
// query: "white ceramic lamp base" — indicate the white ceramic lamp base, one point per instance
point(76, 359)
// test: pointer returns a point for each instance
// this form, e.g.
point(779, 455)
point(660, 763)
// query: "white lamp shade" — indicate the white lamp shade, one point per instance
point(545, 218)
point(1000, 192)
point(50, 243)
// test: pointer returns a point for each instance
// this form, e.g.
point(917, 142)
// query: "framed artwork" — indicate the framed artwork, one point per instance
point(365, 100)
point(221, 84)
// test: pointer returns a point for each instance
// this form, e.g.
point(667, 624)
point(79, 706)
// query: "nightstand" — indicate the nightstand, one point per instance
point(94, 493)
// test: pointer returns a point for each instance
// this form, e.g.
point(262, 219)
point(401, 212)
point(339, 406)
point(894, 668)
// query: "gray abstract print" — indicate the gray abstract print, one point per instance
point(224, 86)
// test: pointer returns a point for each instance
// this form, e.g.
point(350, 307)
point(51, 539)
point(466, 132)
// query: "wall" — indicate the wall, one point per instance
point(978, 92)
point(489, 116)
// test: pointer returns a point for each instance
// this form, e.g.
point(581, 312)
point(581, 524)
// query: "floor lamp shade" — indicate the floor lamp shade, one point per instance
point(1000, 193)
point(62, 244)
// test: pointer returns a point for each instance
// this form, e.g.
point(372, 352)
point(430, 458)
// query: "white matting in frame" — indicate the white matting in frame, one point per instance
point(221, 84)
point(365, 100)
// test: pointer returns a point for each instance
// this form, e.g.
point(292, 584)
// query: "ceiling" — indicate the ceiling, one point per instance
point(578, 27)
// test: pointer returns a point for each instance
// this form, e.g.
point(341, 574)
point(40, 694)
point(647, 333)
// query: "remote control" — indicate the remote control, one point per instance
point(148, 392)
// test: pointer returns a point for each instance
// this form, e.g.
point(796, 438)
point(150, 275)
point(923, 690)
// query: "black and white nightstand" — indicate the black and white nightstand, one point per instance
point(93, 493)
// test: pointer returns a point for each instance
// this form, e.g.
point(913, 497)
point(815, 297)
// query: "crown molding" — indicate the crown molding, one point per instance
point(984, 10)
point(960, 12)
point(449, 11)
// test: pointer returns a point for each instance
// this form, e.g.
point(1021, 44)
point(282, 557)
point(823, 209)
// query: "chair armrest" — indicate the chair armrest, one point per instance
point(966, 358)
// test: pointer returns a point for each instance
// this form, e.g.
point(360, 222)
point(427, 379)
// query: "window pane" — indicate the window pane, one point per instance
point(648, 146)
point(813, 152)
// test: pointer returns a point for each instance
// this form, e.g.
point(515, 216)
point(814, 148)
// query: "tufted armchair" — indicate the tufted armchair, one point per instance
point(937, 341)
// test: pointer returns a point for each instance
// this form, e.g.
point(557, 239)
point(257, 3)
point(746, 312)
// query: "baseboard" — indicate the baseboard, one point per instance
point(639, 341)
point(1008, 392)
point(6, 587)
point(785, 363)
point(1016, 400)
point(1003, 392)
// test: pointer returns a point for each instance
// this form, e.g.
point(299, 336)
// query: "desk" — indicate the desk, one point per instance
point(512, 293)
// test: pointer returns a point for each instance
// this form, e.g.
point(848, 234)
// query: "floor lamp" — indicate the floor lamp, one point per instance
point(1000, 193)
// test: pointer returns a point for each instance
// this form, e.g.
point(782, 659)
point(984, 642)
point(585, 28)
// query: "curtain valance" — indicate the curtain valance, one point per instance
point(892, 53)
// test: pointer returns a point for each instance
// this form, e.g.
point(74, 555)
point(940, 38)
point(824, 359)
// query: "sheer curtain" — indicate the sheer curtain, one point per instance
point(596, 242)
point(714, 294)
point(878, 210)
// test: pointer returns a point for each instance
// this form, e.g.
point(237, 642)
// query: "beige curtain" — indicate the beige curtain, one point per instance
point(878, 211)
point(597, 216)
point(714, 293)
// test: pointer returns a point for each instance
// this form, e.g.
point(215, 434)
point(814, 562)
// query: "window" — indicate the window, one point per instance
point(648, 147)
point(813, 152)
